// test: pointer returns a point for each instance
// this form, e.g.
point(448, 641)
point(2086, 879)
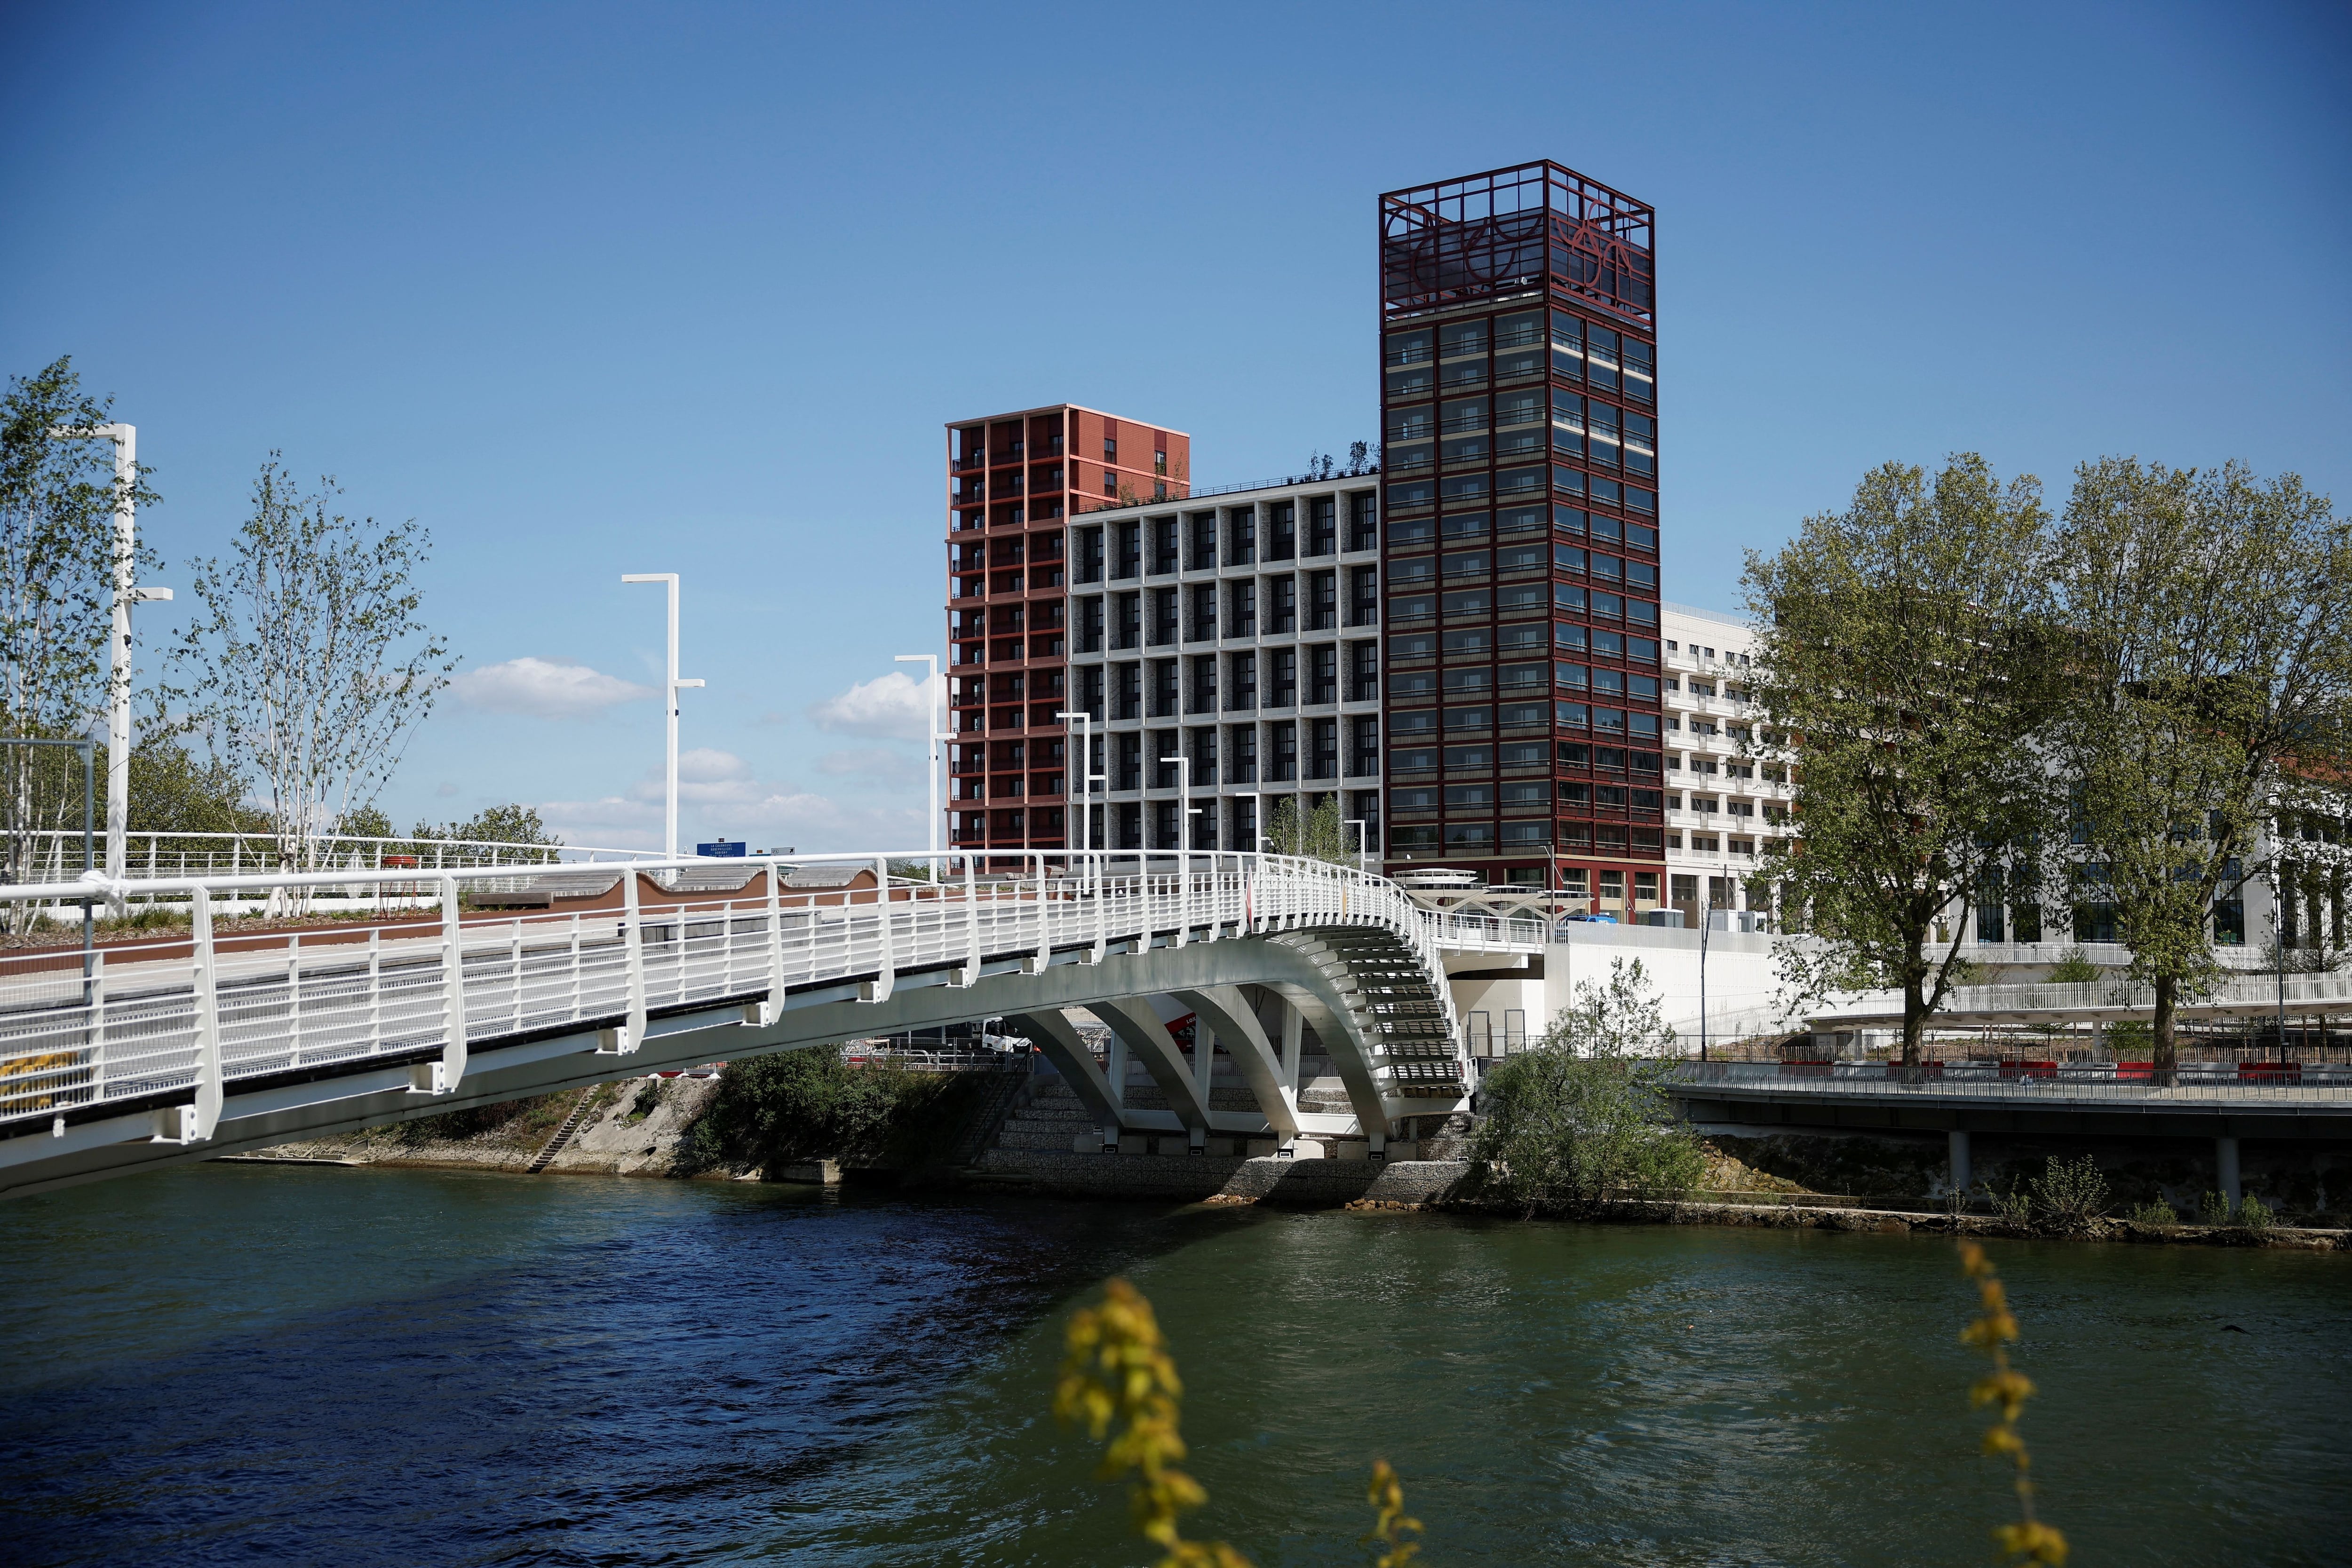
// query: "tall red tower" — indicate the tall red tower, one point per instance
point(1013, 482)
point(1518, 356)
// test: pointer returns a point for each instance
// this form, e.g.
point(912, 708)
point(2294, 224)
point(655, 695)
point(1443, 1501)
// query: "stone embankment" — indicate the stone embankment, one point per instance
point(631, 1127)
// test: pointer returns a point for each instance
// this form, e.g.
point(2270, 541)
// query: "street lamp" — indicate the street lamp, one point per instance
point(1087, 775)
point(117, 717)
point(1358, 823)
point(670, 689)
point(932, 722)
point(1258, 817)
point(1183, 766)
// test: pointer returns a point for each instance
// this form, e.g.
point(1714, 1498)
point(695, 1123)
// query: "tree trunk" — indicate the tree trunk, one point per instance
point(1915, 1020)
point(2167, 1053)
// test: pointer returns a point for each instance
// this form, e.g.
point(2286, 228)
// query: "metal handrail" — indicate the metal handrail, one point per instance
point(190, 1012)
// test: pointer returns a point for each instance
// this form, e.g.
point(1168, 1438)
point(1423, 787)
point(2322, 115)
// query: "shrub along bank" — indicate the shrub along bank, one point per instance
point(801, 1105)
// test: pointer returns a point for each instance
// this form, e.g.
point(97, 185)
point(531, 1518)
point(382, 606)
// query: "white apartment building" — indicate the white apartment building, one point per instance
point(1722, 807)
point(1240, 632)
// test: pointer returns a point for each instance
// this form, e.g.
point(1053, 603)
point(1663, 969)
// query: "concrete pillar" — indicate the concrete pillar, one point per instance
point(1196, 1140)
point(1961, 1174)
point(2225, 1166)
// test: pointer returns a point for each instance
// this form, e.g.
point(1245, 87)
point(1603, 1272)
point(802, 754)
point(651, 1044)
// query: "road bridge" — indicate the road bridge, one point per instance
point(510, 980)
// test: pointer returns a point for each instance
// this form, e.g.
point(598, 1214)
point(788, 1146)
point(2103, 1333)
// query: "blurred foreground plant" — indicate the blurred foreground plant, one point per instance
point(1119, 1373)
point(1994, 1329)
point(1386, 1494)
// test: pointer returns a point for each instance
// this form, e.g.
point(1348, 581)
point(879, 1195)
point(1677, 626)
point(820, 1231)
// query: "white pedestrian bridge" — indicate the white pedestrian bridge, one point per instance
point(389, 987)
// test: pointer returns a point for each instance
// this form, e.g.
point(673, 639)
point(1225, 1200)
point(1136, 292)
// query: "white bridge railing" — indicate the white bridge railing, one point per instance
point(168, 1021)
point(54, 855)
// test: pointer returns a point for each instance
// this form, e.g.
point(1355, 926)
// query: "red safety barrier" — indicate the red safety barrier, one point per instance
point(2013, 1069)
point(2269, 1072)
point(2134, 1072)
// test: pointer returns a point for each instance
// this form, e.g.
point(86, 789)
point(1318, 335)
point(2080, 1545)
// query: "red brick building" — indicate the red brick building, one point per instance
point(1015, 480)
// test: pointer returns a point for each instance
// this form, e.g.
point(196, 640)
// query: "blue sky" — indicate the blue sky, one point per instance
point(594, 289)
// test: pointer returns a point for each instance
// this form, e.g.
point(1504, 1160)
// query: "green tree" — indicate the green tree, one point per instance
point(2211, 676)
point(1904, 662)
point(174, 790)
point(310, 663)
point(58, 499)
point(512, 823)
point(1580, 1115)
point(1320, 834)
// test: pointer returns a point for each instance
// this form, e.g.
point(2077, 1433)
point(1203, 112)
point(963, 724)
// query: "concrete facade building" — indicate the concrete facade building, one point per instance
point(1015, 481)
point(1242, 634)
point(1722, 807)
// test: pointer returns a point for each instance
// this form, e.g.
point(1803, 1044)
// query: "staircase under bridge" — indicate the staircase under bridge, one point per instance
point(373, 994)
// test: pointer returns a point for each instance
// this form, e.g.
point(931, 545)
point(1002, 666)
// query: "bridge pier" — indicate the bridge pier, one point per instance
point(2225, 1169)
point(1957, 1142)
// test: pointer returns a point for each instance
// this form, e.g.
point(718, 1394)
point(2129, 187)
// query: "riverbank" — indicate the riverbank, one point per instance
point(629, 1127)
point(641, 1127)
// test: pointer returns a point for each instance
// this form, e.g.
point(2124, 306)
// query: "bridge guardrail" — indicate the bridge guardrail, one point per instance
point(2195, 1084)
point(137, 1022)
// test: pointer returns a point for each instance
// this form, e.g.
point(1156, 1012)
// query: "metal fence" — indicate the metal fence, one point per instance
point(205, 1007)
point(2195, 1084)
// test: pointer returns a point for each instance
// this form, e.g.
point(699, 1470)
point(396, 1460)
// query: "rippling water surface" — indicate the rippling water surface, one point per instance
point(237, 1365)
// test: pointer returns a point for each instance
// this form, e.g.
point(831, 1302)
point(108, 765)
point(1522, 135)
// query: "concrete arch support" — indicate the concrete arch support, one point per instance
point(1058, 1040)
point(1132, 1020)
point(1226, 1014)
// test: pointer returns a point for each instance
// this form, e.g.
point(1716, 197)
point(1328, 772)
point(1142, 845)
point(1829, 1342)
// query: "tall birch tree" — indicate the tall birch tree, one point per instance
point(311, 662)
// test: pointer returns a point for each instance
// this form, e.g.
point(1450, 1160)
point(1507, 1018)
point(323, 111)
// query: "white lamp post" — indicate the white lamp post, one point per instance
point(1087, 774)
point(1258, 817)
point(1358, 823)
point(670, 689)
point(935, 724)
point(118, 715)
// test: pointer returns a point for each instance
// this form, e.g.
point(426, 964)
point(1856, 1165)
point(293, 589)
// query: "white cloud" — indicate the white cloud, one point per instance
point(896, 707)
point(870, 762)
point(708, 765)
point(547, 688)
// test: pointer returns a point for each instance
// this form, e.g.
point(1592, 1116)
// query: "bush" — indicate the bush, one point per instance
point(2155, 1212)
point(2073, 967)
point(811, 1104)
point(2254, 1214)
point(2069, 1194)
point(1558, 1132)
point(2015, 1206)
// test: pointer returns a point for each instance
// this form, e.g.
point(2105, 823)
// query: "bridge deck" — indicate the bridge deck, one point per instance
point(185, 1018)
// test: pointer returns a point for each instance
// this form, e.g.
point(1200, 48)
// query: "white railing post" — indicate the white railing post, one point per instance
point(625, 1040)
point(1183, 888)
point(969, 974)
point(294, 999)
point(452, 1066)
point(195, 1123)
point(1045, 956)
point(774, 1007)
point(1098, 875)
point(878, 988)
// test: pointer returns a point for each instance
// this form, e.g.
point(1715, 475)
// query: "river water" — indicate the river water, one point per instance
point(233, 1364)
